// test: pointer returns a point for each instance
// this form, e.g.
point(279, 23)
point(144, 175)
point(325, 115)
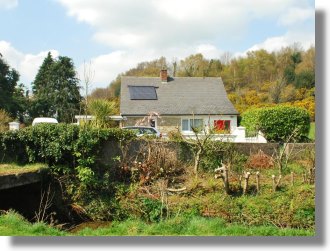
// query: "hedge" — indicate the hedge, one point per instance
point(278, 123)
point(56, 144)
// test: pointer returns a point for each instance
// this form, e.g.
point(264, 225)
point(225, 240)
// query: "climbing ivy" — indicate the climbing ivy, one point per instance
point(66, 148)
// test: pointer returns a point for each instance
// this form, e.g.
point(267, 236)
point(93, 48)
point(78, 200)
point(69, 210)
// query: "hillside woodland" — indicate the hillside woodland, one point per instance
point(259, 79)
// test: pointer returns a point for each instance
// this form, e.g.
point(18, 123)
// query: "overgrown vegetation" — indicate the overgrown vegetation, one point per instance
point(152, 183)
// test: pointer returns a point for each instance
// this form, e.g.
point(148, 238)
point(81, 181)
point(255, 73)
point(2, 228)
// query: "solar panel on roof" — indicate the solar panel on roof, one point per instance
point(142, 92)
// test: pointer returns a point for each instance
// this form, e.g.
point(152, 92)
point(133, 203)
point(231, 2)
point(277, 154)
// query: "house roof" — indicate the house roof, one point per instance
point(178, 96)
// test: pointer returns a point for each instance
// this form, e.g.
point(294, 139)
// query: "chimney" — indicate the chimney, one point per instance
point(163, 75)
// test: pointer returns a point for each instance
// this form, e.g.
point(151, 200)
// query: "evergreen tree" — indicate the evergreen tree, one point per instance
point(41, 88)
point(12, 97)
point(56, 90)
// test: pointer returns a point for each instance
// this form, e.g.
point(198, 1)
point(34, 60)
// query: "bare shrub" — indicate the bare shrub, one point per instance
point(155, 161)
point(260, 161)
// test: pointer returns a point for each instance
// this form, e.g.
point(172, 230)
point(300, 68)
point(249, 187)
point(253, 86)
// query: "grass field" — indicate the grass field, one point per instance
point(17, 169)
point(311, 134)
point(12, 224)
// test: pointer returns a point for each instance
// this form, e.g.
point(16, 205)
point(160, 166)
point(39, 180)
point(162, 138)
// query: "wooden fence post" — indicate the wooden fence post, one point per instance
point(246, 183)
point(258, 181)
point(222, 172)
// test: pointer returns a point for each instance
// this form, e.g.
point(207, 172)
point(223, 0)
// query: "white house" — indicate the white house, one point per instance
point(181, 102)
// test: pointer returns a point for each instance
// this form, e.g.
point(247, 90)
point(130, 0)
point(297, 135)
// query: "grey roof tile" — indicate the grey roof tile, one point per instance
point(179, 96)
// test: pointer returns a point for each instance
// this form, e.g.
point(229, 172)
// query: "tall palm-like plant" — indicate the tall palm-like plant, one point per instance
point(101, 109)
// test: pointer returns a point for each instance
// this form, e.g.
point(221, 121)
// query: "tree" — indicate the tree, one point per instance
point(41, 88)
point(193, 66)
point(56, 90)
point(12, 98)
point(305, 79)
point(276, 90)
point(290, 70)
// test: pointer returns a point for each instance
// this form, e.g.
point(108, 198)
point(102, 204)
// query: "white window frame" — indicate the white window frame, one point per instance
point(189, 123)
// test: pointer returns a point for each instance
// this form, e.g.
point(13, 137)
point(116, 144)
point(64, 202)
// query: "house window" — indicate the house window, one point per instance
point(189, 124)
point(185, 125)
point(222, 125)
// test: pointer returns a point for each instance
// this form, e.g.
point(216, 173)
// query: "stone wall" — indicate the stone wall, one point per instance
point(112, 149)
point(167, 124)
point(252, 148)
point(134, 151)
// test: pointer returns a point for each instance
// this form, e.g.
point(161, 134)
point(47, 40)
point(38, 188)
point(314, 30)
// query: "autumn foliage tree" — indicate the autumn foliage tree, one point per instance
point(259, 79)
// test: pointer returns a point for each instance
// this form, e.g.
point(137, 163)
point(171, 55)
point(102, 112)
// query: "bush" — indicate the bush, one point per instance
point(260, 161)
point(278, 123)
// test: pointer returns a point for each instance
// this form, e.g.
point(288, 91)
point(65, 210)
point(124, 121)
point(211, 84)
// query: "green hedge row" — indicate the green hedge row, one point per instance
point(61, 144)
point(279, 123)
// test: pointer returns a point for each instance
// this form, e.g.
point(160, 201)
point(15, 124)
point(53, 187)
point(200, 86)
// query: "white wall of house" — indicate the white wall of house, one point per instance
point(208, 122)
point(169, 123)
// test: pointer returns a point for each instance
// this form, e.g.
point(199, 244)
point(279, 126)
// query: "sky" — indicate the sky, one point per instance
point(112, 36)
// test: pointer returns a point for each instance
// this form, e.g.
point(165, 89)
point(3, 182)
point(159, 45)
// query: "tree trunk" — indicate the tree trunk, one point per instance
point(226, 181)
point(197, 160)
point(276, 183)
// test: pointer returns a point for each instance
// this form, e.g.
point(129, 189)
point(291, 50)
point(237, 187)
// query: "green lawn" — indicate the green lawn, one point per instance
point(311, 134)
point(12, 224)
point(17, 169)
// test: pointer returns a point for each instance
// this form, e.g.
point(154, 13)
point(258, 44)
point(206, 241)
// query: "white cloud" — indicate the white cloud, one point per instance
point(143, 24)
point(107, 67)
point(143, 30)
point(137, 31)
point(296, 15)
point(305, 39)
point(209, 51)
point(159, 23)
point(26, 64)
point(8, 4)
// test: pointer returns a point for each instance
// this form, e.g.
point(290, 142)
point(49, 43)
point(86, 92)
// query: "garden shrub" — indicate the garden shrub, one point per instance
point(12, 148)
point(279, 123)
point(260, 161)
